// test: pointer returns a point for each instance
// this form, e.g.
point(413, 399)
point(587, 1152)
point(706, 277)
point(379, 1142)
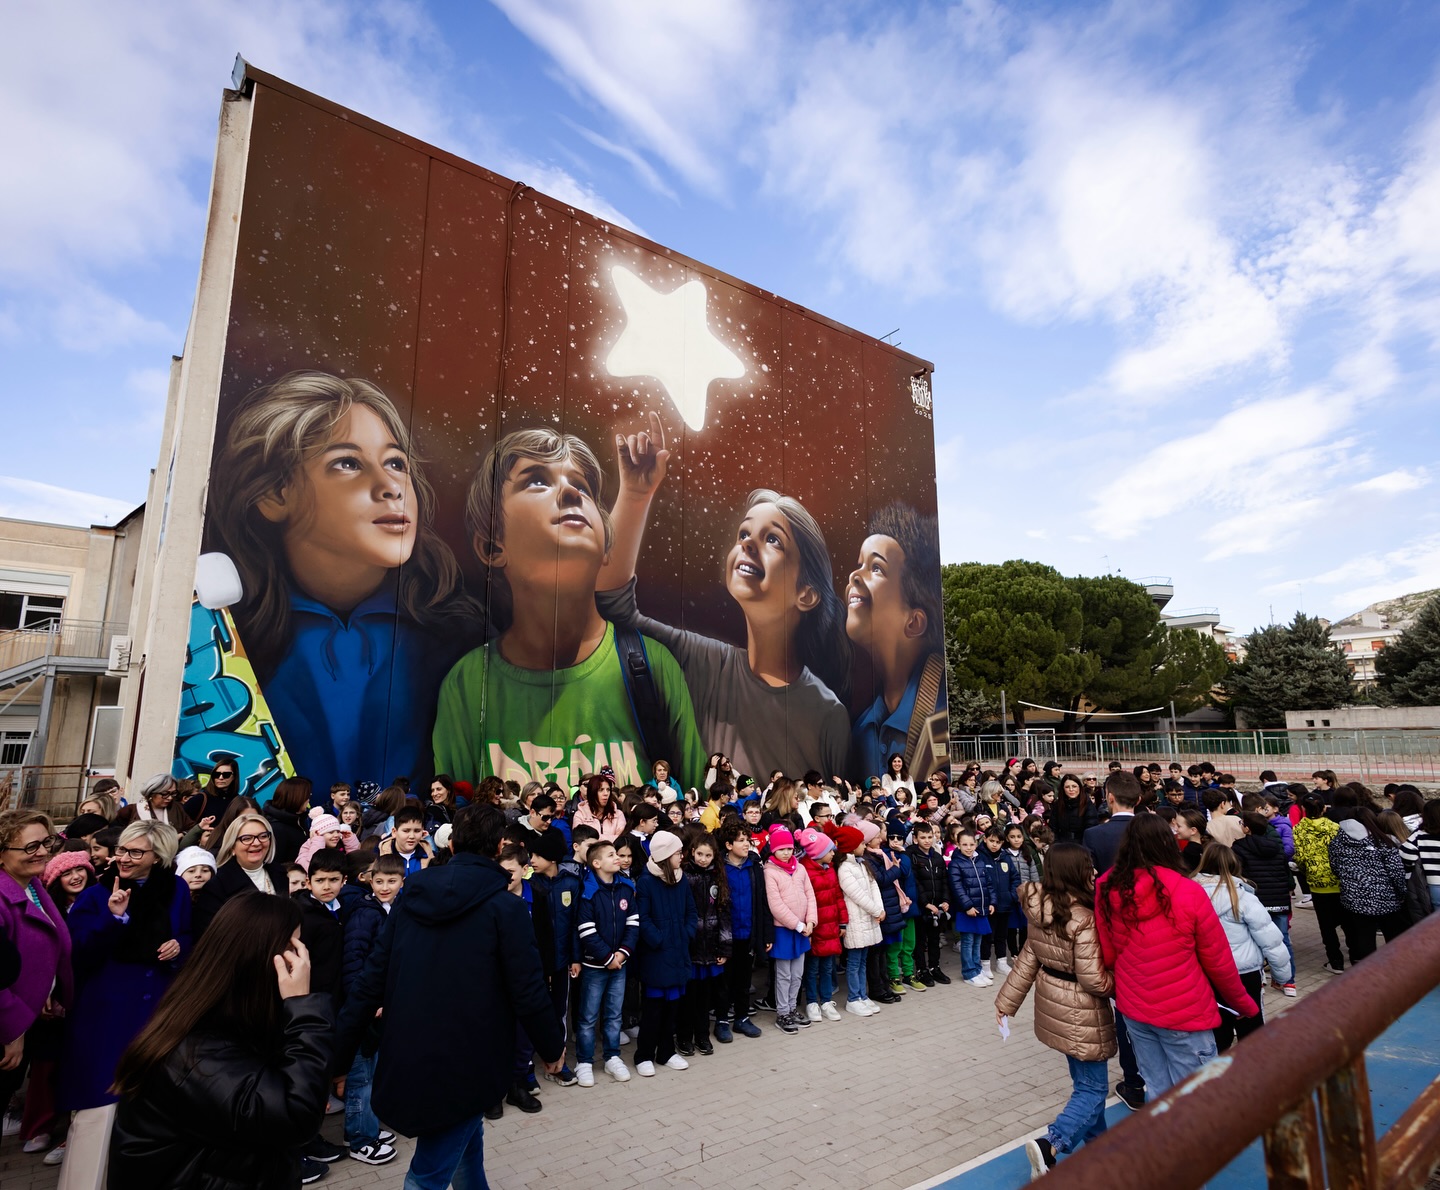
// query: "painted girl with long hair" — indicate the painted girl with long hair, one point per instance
point(778, 701)
point(352, 609)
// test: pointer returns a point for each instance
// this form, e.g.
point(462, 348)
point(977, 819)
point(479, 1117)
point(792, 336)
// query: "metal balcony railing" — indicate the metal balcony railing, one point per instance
point(88, 639)
point(1299, 1082)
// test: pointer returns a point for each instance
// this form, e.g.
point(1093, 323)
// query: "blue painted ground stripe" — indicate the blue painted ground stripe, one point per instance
point(1401, 1063)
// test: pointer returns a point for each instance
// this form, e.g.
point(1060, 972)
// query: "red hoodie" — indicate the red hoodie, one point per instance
point(1165, 964)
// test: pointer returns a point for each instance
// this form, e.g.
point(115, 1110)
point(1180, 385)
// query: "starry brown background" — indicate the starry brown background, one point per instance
point(366, 253)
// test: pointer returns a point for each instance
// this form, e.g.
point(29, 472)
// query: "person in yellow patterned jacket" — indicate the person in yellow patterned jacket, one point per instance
point(1312, 856)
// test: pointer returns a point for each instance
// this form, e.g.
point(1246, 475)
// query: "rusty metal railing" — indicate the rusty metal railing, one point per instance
point(1299, 1082)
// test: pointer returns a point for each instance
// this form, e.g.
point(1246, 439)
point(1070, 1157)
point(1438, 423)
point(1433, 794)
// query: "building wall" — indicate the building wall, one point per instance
point(99, 564)
point(1351, 718)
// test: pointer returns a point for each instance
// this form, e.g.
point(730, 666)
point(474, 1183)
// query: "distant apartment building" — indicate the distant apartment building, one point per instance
point(1361, 638)
point(65, 594)
point(1204, 620)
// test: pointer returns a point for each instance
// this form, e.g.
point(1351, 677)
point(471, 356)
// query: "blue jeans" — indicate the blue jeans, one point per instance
point(360, 1122)
point(969, 956)
point(452, 1158)
point(1168, 1056)
point(1283, 921)
point(602, 996)
point(1083, 1118)
point(855, 974)
point(819, 978)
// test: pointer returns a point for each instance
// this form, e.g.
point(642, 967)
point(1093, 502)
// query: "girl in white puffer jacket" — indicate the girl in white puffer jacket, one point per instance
point(1254, 937)
point(865, 908)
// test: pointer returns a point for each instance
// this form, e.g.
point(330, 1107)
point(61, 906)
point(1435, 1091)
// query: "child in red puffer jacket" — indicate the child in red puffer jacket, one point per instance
point(818, 856)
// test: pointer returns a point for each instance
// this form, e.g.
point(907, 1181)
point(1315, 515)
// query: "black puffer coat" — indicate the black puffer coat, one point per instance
point(1071, 818)
point(215, 1115)
point(711, 891)
point(1262, 859)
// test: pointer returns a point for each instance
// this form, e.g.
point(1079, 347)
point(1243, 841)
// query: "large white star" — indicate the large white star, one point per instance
point(667, 336)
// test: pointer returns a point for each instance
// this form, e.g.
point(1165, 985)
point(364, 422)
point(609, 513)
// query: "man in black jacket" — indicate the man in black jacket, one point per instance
point(454, 969)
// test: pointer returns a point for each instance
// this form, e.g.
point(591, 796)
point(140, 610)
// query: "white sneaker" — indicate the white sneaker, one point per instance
point(829, 1011)
point(959, 948)
point(626, 1037)
point(979, 981)
point(812, 1013)
point(616, 1069)
point(987, 977)
point(857, 1007)
point(11, 1126)
point(1304, 902)
point(676, 1062)
point(56, 1155)
point(871, 1005)
point(41, 1140)
point(1002, 966)
point(645, 1069)
point(585, 1074)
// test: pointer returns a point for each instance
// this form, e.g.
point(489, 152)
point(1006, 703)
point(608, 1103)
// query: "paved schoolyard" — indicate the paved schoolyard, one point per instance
point(884, 1102)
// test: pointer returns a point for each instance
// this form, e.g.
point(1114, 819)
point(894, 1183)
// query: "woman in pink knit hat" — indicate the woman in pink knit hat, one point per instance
point(792, 905)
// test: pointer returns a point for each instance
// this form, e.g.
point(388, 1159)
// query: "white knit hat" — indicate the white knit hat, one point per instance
point(192, 856)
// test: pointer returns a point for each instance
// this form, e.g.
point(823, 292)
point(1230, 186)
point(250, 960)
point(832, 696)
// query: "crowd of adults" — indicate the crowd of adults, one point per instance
point(190, 980)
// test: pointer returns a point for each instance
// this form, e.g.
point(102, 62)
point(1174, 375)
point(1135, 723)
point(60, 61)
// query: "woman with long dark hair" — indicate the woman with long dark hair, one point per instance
point(1061, 957)
point(1161, 936)
point(1073, 813)
point(600, 808)
point(286, 810)
point(229, 1078)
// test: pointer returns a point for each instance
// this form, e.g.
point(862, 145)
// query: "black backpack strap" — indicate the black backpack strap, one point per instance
point(646, 706)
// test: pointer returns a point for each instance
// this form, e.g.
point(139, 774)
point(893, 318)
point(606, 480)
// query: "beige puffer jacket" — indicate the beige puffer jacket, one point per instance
point(1072, 1017)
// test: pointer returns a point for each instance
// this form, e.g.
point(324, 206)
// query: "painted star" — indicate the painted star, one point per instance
point(667, 337)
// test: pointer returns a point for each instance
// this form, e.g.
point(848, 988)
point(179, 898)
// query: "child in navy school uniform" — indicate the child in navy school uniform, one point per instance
point(558, 887)
point(973, 889)
point(364, 919)
point(667, 923)
point(609, 933)
point(1005, 878)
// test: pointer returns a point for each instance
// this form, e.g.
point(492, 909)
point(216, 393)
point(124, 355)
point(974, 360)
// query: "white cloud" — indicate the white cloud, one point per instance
point(86, 318)
point(676, 75)
point(1394, 483)
point(107, 125)
point(643, 169)
point(1370, 577)
point(28, 500)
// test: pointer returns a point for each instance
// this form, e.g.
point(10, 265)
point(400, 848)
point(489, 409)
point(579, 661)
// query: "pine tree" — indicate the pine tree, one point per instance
point(1409, 667)
point(1289, 667)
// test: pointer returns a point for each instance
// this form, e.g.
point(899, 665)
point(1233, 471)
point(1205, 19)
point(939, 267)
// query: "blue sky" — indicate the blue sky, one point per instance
point(1178, 265)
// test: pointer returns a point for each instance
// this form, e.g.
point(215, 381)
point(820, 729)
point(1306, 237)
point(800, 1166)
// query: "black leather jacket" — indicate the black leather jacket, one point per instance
point(215, 1116)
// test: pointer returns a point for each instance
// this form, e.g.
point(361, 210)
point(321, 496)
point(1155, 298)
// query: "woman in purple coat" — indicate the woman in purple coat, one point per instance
point(31, 921)
point(131, 932)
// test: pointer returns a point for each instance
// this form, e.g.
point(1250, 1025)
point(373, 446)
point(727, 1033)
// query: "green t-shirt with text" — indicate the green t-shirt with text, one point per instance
point(495, 719)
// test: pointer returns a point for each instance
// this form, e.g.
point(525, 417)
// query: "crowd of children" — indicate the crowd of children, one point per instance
point(669, 923)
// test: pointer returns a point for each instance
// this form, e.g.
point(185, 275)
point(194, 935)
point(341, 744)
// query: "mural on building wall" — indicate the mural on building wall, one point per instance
point(512, 492)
